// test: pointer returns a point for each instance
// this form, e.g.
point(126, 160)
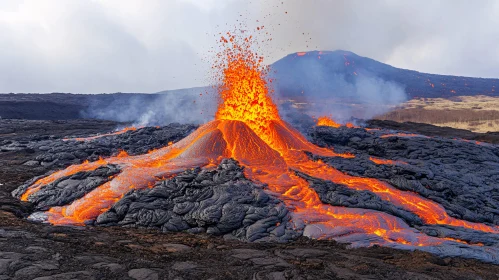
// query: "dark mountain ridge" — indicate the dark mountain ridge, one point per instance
point(326, 74)
point(314, 70)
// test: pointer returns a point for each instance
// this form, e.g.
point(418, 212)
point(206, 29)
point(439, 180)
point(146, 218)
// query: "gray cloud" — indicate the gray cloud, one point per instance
point(149, 46)
point(448, 37)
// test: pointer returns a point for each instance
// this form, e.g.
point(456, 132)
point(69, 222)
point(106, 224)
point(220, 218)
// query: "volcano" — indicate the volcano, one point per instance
point(325, 72)
point(251, 145)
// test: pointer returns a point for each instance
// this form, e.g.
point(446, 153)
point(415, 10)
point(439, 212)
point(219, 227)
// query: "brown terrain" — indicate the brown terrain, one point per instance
point(475, 113)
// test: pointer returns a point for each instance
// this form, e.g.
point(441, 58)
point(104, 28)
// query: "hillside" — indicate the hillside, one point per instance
point(57, 106)
point(314, 71)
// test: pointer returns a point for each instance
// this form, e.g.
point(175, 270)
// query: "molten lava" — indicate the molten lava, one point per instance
point(249, 129)
point(325, 121)
point(351, 125)
point(124, 130)
point(386, 161)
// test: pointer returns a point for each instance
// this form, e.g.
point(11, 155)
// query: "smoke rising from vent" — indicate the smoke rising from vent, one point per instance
point(193, 106)
point(337, 84)
point(369, 96)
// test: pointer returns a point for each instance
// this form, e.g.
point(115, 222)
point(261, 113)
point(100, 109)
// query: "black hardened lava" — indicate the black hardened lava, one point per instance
point(109, 251)
point(460, 175)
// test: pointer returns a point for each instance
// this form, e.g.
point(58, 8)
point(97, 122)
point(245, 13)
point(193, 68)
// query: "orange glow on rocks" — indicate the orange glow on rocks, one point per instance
point(351, 125)
point(326, 121)
point(122, 154)
point(386, 161)
point(126, 129)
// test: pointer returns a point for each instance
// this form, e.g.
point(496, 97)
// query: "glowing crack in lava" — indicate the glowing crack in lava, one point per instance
point(249, 129)
point(124, 130)
point(386, 161)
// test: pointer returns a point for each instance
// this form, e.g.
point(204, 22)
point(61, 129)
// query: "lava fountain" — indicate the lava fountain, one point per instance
point(248, 128)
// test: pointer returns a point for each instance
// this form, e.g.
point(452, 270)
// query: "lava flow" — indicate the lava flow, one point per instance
point(386, 161)
point(327, 121)
point(124, 130)
point(249, 129)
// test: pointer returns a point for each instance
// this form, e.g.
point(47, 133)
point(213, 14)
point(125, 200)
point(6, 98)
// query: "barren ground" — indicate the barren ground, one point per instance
point(476, 113)
point(36, 251)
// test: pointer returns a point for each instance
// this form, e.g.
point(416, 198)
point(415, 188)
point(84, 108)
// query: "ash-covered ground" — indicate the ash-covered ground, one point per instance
point(209, 216)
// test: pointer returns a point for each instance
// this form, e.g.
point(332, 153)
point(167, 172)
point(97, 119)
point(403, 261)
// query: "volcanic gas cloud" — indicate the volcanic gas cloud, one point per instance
point(248, 128)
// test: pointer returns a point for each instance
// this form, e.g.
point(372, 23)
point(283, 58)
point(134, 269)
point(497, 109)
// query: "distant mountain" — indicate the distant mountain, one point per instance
point(320, 71)
point(366, 84)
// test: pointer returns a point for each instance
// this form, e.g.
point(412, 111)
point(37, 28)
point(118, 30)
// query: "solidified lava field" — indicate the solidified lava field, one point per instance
point(459, 176)
point(33, 148)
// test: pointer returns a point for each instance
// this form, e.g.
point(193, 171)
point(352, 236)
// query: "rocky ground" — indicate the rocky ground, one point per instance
point(431, 130)
point(36, 251)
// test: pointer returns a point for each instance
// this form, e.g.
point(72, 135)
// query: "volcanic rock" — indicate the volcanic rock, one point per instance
point(25, 243)
point(339, 195)
point(143, 274)
point(461, 176)
point(219, 202)
point(73, 150)
point(68, 189)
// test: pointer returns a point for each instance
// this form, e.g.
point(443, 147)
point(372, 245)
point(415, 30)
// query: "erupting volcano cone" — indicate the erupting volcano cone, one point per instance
point(248, 128)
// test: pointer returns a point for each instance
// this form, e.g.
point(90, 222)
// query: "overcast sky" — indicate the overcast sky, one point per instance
point(91, 46)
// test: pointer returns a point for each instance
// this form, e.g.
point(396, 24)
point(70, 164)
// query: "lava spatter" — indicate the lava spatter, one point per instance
point(249, 129)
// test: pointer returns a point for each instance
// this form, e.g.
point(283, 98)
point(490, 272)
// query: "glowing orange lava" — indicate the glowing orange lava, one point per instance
point(351, 125)
point(386, 161)
point(126, 129)
point(325, 121)
point(248, 128)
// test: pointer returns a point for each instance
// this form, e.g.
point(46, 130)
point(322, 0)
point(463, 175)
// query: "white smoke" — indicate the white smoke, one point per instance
point(325, 93)
point(193, 106)
point(330, 87)
point(367, 97)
